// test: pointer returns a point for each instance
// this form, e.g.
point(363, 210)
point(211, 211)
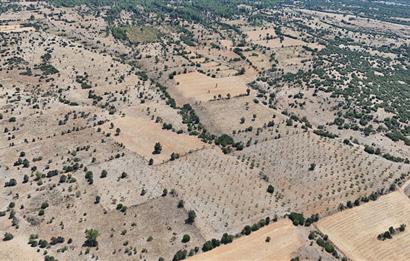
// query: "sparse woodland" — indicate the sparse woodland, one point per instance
point(158, 130)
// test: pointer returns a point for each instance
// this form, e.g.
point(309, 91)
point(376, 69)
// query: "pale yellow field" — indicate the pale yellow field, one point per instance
point(260, 34)
point(285, 240)
point(355, 231)
point(261, 37)
point(199, 87)
point(18, 250)
point(15, 28)
point(140, 135)
point(225, 116)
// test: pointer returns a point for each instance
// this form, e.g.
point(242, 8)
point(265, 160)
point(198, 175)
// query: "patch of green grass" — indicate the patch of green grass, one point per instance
point(136, 34)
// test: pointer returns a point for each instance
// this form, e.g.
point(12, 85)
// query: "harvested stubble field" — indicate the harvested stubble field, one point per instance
point(285, 240)
point(355, 230)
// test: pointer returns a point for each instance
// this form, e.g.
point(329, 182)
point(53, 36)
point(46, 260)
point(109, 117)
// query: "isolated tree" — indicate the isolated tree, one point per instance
point(185, 238)
point(180, 204)
point(103, 173)
point(312, 166)
point(191, 217)
point(226, 238)
point(180, 255)
point(91, 237)
point(157, 148)
point(270, 189)
point(7, 236)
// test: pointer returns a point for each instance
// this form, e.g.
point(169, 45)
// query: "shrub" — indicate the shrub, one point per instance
point(91, 237)
point(247, 230)
point(7, 236)
point(103, 173)
point(191, 217)
point(270, 189)
point(185, 238)
point(207, 246)
point(224, 140)
point(44, 205)
point(11, 183)
point(180, 255)
point(297, 218)
point(226, 238)
point(157, 148)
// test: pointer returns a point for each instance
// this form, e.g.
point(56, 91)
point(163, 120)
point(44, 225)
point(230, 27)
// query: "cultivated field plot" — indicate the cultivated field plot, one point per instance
point(286, 239)
point(145, 231)
point(294, 58)
point(198, 87)
point(15, 28)
point(258, 59)
point(235, 114)
point(355, 230)
point(266, 133)
point(340, 172)
point(139, 185)
point(267, 37)
point(74, 149)
point(140, 135)
point(224, 193)
point(157, 112)
point(53, 121)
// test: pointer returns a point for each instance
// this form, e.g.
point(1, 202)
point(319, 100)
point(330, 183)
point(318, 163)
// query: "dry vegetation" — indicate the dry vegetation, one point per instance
point(141, 131)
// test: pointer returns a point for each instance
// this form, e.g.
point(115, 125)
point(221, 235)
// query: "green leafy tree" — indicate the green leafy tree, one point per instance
point(91, 236)
point(191, 217)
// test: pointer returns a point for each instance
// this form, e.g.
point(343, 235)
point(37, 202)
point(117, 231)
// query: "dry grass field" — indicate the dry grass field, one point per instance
point(16, 28)
point(355, 230)
point(18, 250)
point(164, 125)
point(196, 87)
point(141, 135)
point(235, 114)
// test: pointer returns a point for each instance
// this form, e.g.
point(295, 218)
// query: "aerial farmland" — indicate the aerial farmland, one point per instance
point(204, 130)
